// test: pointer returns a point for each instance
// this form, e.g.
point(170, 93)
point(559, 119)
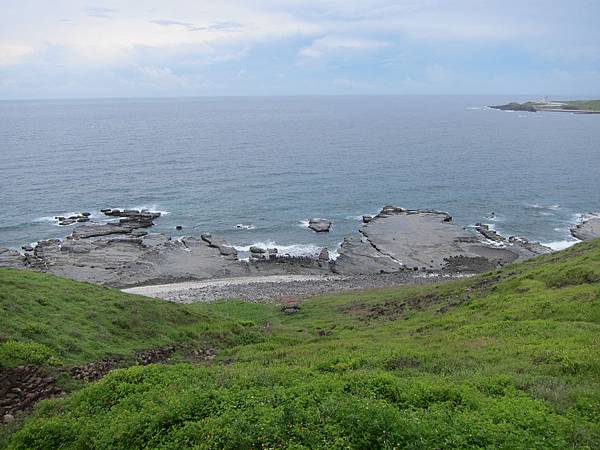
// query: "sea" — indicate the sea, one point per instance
point(254, 169)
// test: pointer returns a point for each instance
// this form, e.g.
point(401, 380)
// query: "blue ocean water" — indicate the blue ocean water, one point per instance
point(273, 162)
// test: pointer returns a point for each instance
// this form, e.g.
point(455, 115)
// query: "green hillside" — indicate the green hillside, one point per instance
point(509, 359)
point(588, 105)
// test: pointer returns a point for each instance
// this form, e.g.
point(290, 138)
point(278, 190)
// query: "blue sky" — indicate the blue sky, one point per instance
point(70, 49)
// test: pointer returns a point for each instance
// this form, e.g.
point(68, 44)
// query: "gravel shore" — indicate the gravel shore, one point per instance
point(266, 288)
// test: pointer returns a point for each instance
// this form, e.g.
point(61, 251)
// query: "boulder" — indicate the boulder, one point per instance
point(221, 244)
point(367, 218)
point(319, 225)
point(588, 229)
point(324, 255)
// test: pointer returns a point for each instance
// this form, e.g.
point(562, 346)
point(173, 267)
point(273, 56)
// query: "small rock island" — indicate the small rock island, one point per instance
point(572, 106)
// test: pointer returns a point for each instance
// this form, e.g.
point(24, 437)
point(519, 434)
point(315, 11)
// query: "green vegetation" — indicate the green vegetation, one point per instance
point(509, 359)
point(587, 105)
point(561, 105)
point(514, 106)
point(64, 322)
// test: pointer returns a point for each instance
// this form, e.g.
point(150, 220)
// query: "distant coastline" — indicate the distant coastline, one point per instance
point(571, 106)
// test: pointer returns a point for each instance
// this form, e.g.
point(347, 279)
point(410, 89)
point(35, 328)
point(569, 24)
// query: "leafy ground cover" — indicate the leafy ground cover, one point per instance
point(508, 359)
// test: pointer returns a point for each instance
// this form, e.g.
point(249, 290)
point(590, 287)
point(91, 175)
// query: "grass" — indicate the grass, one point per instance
point(54, 320)
point(588, 105)
point(509, 359)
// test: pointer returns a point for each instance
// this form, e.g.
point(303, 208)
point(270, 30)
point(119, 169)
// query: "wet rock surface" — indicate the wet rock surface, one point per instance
point(427, 241)
point(75, 218)
point(124, 253)
point(319, 225)
point(220, 244)
point(588, 229)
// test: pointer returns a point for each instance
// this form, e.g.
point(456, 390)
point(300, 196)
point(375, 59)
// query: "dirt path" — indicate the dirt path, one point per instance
point(264, 288)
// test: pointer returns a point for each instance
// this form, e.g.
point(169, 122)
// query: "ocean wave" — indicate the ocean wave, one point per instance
point(360, 216)
point(151, 208)
point(52, 219)
point(582, 217)
point(292, 250)
point(560, 245)
point(243, 226)
point(538, 206)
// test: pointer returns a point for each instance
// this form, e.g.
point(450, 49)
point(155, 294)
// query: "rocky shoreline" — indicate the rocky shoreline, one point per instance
point(397, 245)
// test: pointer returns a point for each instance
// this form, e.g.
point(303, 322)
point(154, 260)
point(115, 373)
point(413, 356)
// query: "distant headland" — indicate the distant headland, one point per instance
point(572, 106)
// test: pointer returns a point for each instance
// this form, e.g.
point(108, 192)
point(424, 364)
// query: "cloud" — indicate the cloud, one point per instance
point(168, 23)
point(333, 44)
point(13, 54)
point(297, 46)
point(98, 11)
point(220, 26)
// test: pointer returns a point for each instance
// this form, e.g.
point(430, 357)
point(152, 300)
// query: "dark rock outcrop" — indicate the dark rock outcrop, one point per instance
point(22, 387)
point(221, 244)
point(319, 225)
point(523, 247)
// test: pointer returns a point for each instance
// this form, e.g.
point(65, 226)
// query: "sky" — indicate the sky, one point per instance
point(151, 48)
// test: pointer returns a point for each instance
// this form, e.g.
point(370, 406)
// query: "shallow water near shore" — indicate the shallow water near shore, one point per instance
point(255, 169)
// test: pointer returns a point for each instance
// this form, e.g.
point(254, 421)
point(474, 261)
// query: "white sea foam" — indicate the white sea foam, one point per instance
point(292, 250)
point(243, 226)
point(560, 245)
point(151, 208)
point(304, 223)
point(537, 206)
point(96, 215)
point(53, 217)
point(360, 216)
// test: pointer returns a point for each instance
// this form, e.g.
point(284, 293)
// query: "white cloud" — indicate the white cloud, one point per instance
point(332, 44)
point(13, 54)
point(430, 44)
